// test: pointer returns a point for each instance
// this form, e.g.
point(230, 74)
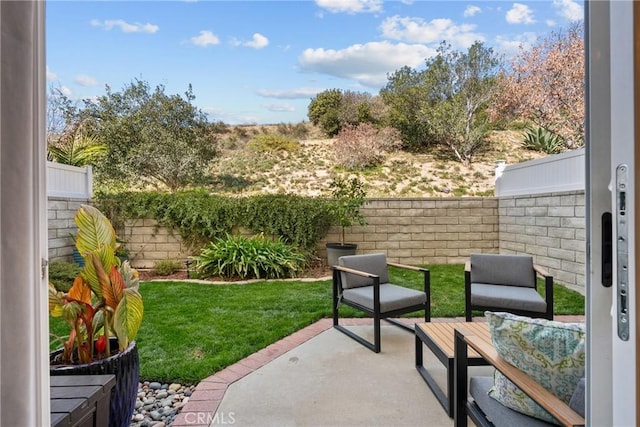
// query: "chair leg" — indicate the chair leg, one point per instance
point(460, 381)
point(467, 296)
point(376, 332)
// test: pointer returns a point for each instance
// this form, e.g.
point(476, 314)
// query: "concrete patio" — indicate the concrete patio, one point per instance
point(320, 377)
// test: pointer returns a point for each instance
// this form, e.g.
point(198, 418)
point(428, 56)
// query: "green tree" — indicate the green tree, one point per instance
point(446, 102)
point(324, 111)
point(406, 96)
point(152, 138)
point(334, 109)
point(462, 86)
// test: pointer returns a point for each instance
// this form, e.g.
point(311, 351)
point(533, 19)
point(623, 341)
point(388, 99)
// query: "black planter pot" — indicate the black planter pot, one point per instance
point(125, 366)
point(336, 250)
point(77, 258)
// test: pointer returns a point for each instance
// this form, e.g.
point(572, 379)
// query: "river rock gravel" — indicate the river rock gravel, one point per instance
point(158, 404)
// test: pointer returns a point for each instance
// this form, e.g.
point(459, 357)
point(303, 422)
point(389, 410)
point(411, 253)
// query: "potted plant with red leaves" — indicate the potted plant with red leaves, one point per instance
point(104, 310)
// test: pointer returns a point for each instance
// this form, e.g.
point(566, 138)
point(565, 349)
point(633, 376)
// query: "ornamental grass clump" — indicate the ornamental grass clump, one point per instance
point(249, 257)
point(103, 301)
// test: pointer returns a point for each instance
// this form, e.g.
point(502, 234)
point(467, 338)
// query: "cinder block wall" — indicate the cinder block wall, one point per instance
point(424, 231)
point(148, 243)
point(551, 227)
point(60, 214)
point(411, 231)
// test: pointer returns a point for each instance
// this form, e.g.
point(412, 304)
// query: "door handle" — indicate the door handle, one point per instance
point(607, 250)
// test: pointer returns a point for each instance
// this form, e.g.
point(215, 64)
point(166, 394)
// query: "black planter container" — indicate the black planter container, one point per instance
point(125, 366)
point(77, 258)
point(336, 250)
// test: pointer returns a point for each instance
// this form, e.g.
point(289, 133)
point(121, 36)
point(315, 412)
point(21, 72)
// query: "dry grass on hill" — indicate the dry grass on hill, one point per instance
point(309, 170)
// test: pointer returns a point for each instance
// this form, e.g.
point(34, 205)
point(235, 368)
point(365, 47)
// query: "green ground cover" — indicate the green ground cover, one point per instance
point(191, 331)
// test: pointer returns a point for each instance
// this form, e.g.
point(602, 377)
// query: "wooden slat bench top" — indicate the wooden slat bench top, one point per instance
point(441, 334)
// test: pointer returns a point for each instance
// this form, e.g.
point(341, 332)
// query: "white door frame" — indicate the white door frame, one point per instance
point(612, 109)
point(24, 314)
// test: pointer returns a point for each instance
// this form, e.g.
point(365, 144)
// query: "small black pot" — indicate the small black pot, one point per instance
point(336, 250)
point(125, 365)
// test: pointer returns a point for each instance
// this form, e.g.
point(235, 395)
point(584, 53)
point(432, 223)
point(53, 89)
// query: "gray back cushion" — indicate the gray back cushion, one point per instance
point(514, 270)
point(370, 263)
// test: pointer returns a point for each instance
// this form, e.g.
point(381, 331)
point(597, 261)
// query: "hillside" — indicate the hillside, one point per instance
point(308, 170)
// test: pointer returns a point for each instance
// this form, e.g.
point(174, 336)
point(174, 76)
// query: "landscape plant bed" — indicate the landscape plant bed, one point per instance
point(316, 272)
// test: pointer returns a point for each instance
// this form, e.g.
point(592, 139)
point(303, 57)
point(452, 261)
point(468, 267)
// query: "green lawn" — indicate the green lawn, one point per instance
point(191, 331)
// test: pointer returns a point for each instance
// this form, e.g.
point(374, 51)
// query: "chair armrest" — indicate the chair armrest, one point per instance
point(547, 400)
point(407, 267)
point(356, 272)
point(427, 284)
point(548, 289)
point(540, 270)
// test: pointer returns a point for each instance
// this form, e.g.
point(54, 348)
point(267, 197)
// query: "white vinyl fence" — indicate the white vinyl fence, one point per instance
point(553, 174)
point(69, 181)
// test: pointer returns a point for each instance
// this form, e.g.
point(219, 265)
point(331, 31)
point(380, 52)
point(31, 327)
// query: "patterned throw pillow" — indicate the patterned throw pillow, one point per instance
point(551, 353)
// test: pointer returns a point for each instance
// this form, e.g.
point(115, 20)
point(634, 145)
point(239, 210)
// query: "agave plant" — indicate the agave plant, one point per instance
point(541, 139)
point(104, 300)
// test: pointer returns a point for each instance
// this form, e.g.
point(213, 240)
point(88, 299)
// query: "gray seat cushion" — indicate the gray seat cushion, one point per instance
point(513, 270)
point(370, 263)
point(577, 401)
point(498, 414)
point(392, 297)
point(507, 297)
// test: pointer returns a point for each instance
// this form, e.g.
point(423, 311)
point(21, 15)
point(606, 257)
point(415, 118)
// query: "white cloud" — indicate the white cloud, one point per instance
point(368, 63)
point(510, 46)
point(417, 30)
point(205, 38)
point(66, 92)
point(51, 76)
point(125, 27)
point(280, 108)
point(520, 14)
point(550, 23)
point(351, 6)
point(258, 41)
point(569, 9)
point(299, 93)
point(471, 11)
point(84, 80)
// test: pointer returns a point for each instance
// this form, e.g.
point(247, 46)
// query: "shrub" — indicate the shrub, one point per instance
point(166, 267)
point(540, 139)
point(62, 274)
point(249, 257)
point(364, 145)
point(200, 217)
point(299, 221)
point(270, 142)
point(298, 131)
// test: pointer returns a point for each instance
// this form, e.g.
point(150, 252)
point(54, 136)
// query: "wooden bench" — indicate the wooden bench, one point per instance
point(81, 400)
point(438, 337)
point(465, 340)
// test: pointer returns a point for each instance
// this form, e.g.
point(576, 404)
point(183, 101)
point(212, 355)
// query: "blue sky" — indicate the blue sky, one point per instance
point(262, 61)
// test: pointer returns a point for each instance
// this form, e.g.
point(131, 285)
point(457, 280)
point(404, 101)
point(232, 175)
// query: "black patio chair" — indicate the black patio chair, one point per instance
point(362, 282)
point(506, 283)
